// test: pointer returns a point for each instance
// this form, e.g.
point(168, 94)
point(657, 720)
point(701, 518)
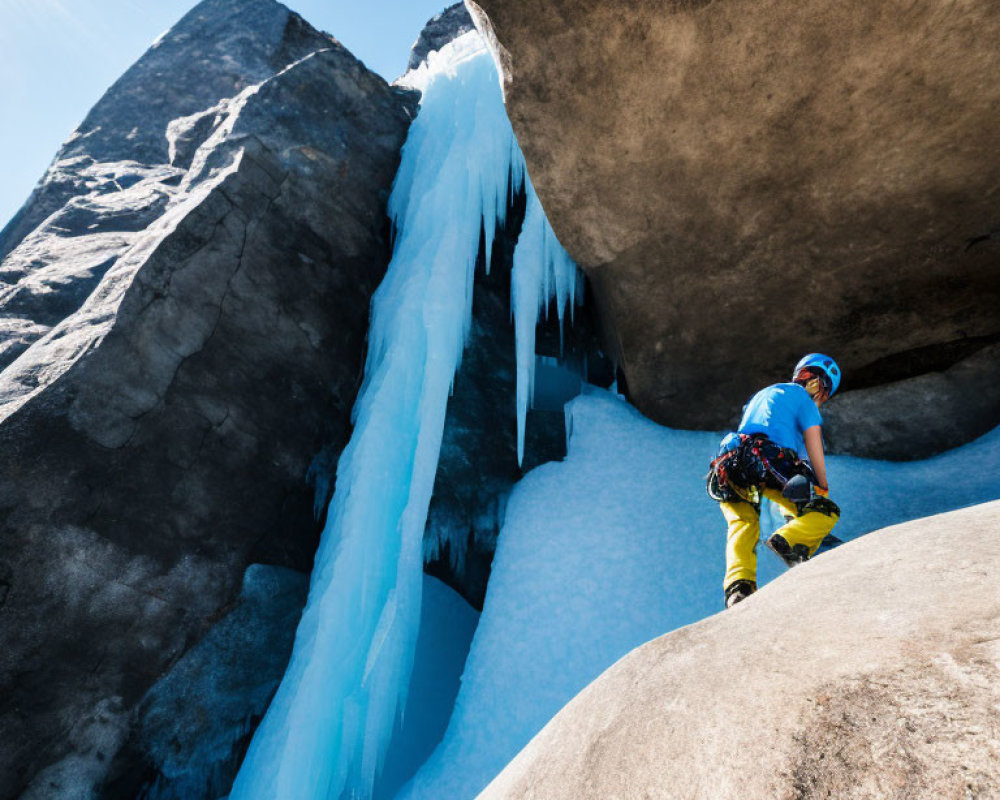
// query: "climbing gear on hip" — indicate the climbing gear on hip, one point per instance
point(748, 463)
point(798, 489)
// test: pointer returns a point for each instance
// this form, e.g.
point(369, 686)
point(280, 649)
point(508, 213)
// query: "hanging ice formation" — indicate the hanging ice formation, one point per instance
point(542, 269)
point(328, 727)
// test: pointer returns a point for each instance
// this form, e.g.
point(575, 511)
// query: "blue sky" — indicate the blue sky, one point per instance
point(57, 57)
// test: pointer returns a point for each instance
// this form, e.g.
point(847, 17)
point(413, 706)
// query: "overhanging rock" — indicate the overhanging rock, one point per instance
point(747, 183)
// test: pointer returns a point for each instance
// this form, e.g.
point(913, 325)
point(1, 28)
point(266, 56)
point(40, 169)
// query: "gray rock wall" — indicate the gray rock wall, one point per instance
point(920, 416)
point(193, 726)
point(214, 52)
point(203, 346)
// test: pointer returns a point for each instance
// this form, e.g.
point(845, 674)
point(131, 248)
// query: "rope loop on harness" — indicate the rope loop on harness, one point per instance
point(747, 464)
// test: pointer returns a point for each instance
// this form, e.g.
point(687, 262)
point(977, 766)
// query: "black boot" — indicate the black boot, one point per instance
point(739, 590)
point(787, 553)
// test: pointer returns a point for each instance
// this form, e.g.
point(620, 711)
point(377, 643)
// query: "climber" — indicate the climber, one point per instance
point(777, 453)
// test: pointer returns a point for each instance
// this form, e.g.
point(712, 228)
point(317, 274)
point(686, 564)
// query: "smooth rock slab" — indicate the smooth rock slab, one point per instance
point(873, 671)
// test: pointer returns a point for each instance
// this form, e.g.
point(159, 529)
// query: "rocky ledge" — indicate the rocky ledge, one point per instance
point(872, 671)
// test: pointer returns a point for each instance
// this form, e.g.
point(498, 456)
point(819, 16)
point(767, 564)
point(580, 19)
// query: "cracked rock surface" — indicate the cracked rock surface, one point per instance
point(183, 308)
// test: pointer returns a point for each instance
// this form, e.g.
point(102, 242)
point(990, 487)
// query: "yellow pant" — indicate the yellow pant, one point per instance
point(744, 530)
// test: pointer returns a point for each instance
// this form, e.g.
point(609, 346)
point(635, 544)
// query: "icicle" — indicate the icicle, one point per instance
point(541, 267)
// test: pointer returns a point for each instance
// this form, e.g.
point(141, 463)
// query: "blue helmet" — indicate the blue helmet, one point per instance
point(824, 364)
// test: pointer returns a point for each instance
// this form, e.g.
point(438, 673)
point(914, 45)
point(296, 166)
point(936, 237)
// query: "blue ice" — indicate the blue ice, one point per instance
point(618, 544)
point(326, 733)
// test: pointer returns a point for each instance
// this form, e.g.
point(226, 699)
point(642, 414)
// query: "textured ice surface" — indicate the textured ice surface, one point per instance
point(541, 269)
point(619, 544)
point(447, 624)
point(326, 732)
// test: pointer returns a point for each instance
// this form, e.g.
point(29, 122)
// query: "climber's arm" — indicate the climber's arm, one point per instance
point(814, 449)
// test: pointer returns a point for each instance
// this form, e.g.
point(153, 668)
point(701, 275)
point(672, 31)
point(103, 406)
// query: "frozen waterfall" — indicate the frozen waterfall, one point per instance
point(327, 730)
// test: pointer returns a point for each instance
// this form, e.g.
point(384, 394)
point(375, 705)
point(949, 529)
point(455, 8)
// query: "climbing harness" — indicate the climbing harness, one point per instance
point(748, 463)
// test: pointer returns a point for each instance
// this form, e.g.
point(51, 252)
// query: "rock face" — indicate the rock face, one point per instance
point(122, 166)
point(193, 726)
point(188, 292)
point(918, 417)
point(439, 30)
point(886, 687)
point(744, 184)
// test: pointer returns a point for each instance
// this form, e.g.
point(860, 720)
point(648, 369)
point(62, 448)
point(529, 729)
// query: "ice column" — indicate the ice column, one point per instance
point(327, 730)
point(543, 271)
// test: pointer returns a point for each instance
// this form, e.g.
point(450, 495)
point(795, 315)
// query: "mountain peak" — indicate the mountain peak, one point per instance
point(439, 30)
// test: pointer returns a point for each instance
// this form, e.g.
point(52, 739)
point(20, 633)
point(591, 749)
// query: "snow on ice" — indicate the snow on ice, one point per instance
point(617, 545)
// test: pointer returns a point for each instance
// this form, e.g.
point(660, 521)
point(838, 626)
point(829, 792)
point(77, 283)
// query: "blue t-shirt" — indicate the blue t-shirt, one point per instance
point(782, 411)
